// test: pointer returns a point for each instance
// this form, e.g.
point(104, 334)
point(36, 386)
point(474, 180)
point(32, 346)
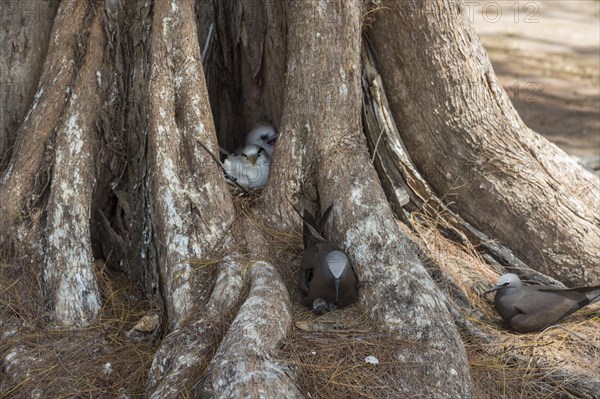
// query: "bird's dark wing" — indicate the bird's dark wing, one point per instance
point(308, 223)
point(540, 308)
point(538, 320)
point(309, 231)
point(309, 218)
point(576, 298)
point(357, 282)
point(307, 264)
point(576, 294)
point(305, 277)
point(309, 258)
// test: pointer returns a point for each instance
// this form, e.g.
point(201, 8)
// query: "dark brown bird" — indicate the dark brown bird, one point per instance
point(326, 274)
point(535, 307)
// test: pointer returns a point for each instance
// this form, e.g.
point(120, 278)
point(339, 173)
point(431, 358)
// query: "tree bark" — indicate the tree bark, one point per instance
point(171, 371)
point(59, 70)
point(472, 147)
point(64, 160)
point(25, 32)
point(191, 206)
point(70, 279)
point(395, 288)
point(245, 365)
point(186, 352)
point(114, 164)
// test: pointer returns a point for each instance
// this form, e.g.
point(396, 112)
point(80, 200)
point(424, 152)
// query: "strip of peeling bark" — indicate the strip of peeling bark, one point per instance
point(396, 289)
point(244, 366)
point(191, 205)
point(69, 275)
point(511, 183)
point(23, 172)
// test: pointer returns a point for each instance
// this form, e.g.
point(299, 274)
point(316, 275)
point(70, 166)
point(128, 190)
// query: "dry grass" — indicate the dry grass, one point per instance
point(540, 365)
point(531, 365)
point(41, 361)
point(328, 353)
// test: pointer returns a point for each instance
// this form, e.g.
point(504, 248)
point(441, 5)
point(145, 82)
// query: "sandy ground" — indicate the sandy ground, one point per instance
point(547, 57)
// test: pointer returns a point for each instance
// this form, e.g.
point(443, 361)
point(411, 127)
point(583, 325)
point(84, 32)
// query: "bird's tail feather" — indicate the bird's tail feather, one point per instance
point(574, 308)
point(310, 232)
point(320, 226)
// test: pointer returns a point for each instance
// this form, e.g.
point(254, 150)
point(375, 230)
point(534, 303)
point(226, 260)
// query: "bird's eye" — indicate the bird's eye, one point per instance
point(507, 283)
point(263, 137)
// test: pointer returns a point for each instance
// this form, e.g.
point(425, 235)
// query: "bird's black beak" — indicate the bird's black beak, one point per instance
point(272, 140)
point(494, 288)
point(337, 289)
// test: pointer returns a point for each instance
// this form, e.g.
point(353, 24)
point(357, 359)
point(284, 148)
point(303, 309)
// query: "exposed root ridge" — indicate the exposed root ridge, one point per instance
point(244, 365)
point(184, 353)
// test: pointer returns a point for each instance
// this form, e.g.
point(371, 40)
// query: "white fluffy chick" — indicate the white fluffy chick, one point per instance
point(250, 169)
point(264, 136)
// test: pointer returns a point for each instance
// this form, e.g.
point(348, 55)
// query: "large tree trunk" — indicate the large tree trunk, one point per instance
point(473, 148)
point(57, 137)
point(191, 206)
point(112, 180)
point(332, 140)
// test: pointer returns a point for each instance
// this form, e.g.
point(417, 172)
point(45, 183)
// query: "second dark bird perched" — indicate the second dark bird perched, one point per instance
point(327, 277)
point(534, 307)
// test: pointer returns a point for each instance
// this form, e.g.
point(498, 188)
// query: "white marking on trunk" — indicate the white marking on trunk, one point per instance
point(69, 270)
